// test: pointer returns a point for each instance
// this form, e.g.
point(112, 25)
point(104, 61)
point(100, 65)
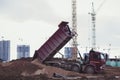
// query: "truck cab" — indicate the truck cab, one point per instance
point(94, 62)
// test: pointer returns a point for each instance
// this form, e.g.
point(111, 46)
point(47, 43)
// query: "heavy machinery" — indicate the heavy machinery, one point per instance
point(93, 61)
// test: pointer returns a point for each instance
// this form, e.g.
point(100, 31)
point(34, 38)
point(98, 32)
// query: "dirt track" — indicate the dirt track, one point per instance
point(26, 69)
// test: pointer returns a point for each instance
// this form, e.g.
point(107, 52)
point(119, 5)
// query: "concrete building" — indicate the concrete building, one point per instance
point(23, 51)
point(5, 50)
point(68, 52)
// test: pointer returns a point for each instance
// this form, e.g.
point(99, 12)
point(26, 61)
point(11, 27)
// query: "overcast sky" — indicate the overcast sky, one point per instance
point(32, 22)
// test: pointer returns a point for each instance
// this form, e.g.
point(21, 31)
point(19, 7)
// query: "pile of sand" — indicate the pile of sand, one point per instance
point(25, 67)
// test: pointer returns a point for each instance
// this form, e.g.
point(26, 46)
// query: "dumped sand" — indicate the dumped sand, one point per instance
point(34, 70)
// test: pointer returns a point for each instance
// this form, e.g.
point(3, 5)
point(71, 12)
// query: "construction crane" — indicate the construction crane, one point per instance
point(74, 29)
point(93, 18)
point(74, 26)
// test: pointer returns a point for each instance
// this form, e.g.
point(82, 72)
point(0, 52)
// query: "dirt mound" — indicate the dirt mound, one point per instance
point(17, 67)
point(112, 71)
point(22, 69)
point(49, 70)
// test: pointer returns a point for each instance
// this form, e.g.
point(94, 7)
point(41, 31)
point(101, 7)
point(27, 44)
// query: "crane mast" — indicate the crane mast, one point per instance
point(93, 17)
point(74, 29)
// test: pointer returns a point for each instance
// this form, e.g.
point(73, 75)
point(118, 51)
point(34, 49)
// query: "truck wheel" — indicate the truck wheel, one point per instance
point(75, 68)
point(90, 70)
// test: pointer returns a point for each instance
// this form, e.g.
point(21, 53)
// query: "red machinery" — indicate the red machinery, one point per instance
point(92, 63)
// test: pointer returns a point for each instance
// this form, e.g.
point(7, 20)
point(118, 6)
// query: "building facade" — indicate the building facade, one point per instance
point(68, 52)
point(23, 51)
point(5, 50)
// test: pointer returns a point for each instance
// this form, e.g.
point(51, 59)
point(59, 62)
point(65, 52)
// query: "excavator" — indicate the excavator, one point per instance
point(93, 62)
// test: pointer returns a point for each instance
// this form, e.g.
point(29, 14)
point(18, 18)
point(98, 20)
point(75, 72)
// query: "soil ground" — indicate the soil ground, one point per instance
point(26, 69)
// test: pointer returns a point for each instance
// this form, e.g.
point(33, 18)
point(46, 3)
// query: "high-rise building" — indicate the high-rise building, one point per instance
point(68, 52)
point(5, 50)
point(23, 51)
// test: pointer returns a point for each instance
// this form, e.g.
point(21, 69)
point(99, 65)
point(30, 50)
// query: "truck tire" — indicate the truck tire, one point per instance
point(75, 68)
point(90, 70)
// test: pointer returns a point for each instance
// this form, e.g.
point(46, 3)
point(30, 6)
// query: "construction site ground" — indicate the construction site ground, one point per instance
point(26, 69)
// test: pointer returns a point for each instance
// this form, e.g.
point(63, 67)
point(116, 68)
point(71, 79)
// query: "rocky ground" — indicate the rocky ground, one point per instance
point(26, 69)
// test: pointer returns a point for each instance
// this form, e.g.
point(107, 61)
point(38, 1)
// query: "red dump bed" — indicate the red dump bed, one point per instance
point(54, 43)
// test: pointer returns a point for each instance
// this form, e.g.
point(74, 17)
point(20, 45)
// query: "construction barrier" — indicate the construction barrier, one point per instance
point(113, 63)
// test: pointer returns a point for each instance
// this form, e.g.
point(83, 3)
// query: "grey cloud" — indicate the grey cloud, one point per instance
point(21, 10)
point(107, 30)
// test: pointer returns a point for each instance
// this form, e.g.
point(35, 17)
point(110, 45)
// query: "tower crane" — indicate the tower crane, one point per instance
point(93, 18)
point(74, 29)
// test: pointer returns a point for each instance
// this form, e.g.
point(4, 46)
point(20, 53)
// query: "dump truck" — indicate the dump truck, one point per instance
point(91, 63)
